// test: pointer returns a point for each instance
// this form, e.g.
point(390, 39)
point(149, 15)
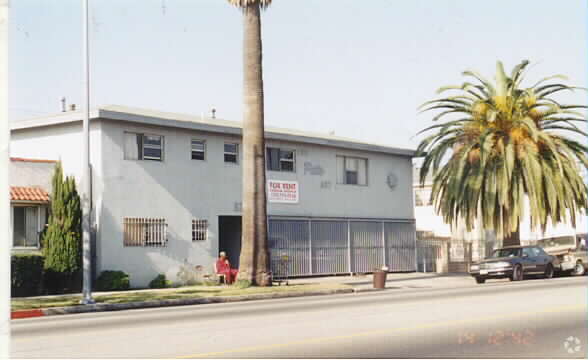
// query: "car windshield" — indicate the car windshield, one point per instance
point(506, 253)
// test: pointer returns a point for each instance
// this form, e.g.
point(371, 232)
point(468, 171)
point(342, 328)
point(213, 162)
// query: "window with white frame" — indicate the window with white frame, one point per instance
point(27, 224)
point(280, 159)
point(351, 170)
point(144, 232)
point(198, 149)
point(199, 230)
point(143, 147)
point(231, 152)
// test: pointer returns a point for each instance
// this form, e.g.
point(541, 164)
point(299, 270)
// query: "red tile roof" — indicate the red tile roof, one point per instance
point(27, 193)
point(32, 160)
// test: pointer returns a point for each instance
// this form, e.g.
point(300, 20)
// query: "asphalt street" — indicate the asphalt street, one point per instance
point(529, 319)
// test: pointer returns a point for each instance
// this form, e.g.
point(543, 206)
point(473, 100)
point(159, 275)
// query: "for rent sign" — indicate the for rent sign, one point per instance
point(282, 191)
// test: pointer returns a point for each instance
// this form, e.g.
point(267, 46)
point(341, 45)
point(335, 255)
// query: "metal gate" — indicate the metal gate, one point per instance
point(336, 246)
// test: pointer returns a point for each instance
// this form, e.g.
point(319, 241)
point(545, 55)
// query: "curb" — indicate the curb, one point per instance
point(79, 309)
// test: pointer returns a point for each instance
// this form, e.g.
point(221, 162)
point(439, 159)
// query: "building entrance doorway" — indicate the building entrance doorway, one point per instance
point(229, 238)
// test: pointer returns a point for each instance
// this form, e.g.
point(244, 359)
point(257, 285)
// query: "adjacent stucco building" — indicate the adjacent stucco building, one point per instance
point(166, 191)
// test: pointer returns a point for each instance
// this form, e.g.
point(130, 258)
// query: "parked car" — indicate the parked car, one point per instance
point(570, 251)
point(514, 262)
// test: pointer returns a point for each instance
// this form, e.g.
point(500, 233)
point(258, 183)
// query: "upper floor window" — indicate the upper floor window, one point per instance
point(143, 147)
point(351, 170)
point(281, 160)
point(231, 152)
point(198, 149)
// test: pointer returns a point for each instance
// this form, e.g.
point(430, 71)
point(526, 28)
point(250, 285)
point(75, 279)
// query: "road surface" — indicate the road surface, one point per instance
point(531, 319)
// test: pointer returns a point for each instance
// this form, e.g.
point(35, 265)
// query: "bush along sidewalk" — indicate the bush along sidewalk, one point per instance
point(26, 278)
point(69, 304)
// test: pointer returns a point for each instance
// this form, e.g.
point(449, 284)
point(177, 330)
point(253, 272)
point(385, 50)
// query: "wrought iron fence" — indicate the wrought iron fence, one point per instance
point(336, 246)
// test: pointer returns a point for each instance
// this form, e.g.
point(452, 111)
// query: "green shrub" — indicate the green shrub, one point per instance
point(26, 274)
point(159, 282)
point(111, 280)
point(62, 244)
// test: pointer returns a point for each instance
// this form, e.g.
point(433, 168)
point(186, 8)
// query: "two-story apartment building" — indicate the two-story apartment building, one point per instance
point(166, 191)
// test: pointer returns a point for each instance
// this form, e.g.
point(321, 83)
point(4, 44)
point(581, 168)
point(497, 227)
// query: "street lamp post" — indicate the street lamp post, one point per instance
point(86, 208)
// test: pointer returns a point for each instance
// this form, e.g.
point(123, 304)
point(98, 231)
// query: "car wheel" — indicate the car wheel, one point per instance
point(548, 272)
point(517, 273)
point(480, 280)
point(579, 269)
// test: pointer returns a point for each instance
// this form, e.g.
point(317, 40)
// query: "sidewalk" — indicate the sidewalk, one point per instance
point(148, 298)
point(393, 280)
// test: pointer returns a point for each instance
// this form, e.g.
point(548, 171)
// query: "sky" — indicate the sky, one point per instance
point(356, 68)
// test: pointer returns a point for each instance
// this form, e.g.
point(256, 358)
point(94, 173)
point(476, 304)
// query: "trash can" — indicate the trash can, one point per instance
point(380, 279)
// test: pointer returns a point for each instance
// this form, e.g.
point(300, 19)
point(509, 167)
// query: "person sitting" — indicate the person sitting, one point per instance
point(223, 267)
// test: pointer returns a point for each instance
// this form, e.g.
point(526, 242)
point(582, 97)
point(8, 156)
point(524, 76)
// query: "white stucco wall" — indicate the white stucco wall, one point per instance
point(180, 189)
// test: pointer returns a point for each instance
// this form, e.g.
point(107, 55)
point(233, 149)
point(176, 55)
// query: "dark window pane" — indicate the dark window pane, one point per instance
point(18, 230)
point(152, 140)
point(140, 146)
point(273, 159)
point(197, 155)
point(288, 155)
point(230, 158)
point(351, 177)
point(287, 166)
point(152, 154)
point(231, 148)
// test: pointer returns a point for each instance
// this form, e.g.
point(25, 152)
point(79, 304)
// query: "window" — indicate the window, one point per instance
point(351, 170)
point(198, 149)
point(528, 252)
point(144, 232)
point(231, 153)
point(143, 147)
point(25, 226)
point(199, 230)
point(281, 160)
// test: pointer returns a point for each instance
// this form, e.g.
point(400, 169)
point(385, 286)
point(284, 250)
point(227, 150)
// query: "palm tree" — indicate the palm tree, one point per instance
point(508, 145)
point(254, 265)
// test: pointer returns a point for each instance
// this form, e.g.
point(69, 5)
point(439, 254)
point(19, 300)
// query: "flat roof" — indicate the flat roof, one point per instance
point(202, 123)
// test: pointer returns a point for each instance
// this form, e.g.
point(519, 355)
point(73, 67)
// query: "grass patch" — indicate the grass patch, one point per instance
point(189, 292)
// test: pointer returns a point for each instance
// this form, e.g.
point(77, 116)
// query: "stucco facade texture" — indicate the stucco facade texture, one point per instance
point(180, 189)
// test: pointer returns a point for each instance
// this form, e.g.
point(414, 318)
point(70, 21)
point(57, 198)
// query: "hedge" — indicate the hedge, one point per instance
point(110, 280)
point(26, 274)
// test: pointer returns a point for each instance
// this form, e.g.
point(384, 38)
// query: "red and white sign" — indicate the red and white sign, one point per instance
point(279, 191)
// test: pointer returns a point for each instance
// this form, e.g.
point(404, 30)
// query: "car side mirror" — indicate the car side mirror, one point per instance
point(525, 255)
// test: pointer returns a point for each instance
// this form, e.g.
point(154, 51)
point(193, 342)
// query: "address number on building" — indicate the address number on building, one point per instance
point(282, 191)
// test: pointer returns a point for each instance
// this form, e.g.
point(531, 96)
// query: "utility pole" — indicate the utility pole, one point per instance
point(86, 208)
point(4, 185)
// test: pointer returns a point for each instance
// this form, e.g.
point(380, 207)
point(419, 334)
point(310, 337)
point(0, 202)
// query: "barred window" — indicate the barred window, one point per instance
point(144, 232)
point(199, 230)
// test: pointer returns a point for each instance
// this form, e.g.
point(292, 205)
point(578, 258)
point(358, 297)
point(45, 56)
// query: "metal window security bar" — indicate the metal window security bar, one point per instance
point(144, 232)
point(317, 246)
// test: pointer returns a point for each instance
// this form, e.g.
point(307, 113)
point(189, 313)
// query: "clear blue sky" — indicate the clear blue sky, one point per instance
point(357, 67)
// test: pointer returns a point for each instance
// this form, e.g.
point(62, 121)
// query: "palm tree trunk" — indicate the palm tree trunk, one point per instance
point(254, 258)
point(512, 239)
